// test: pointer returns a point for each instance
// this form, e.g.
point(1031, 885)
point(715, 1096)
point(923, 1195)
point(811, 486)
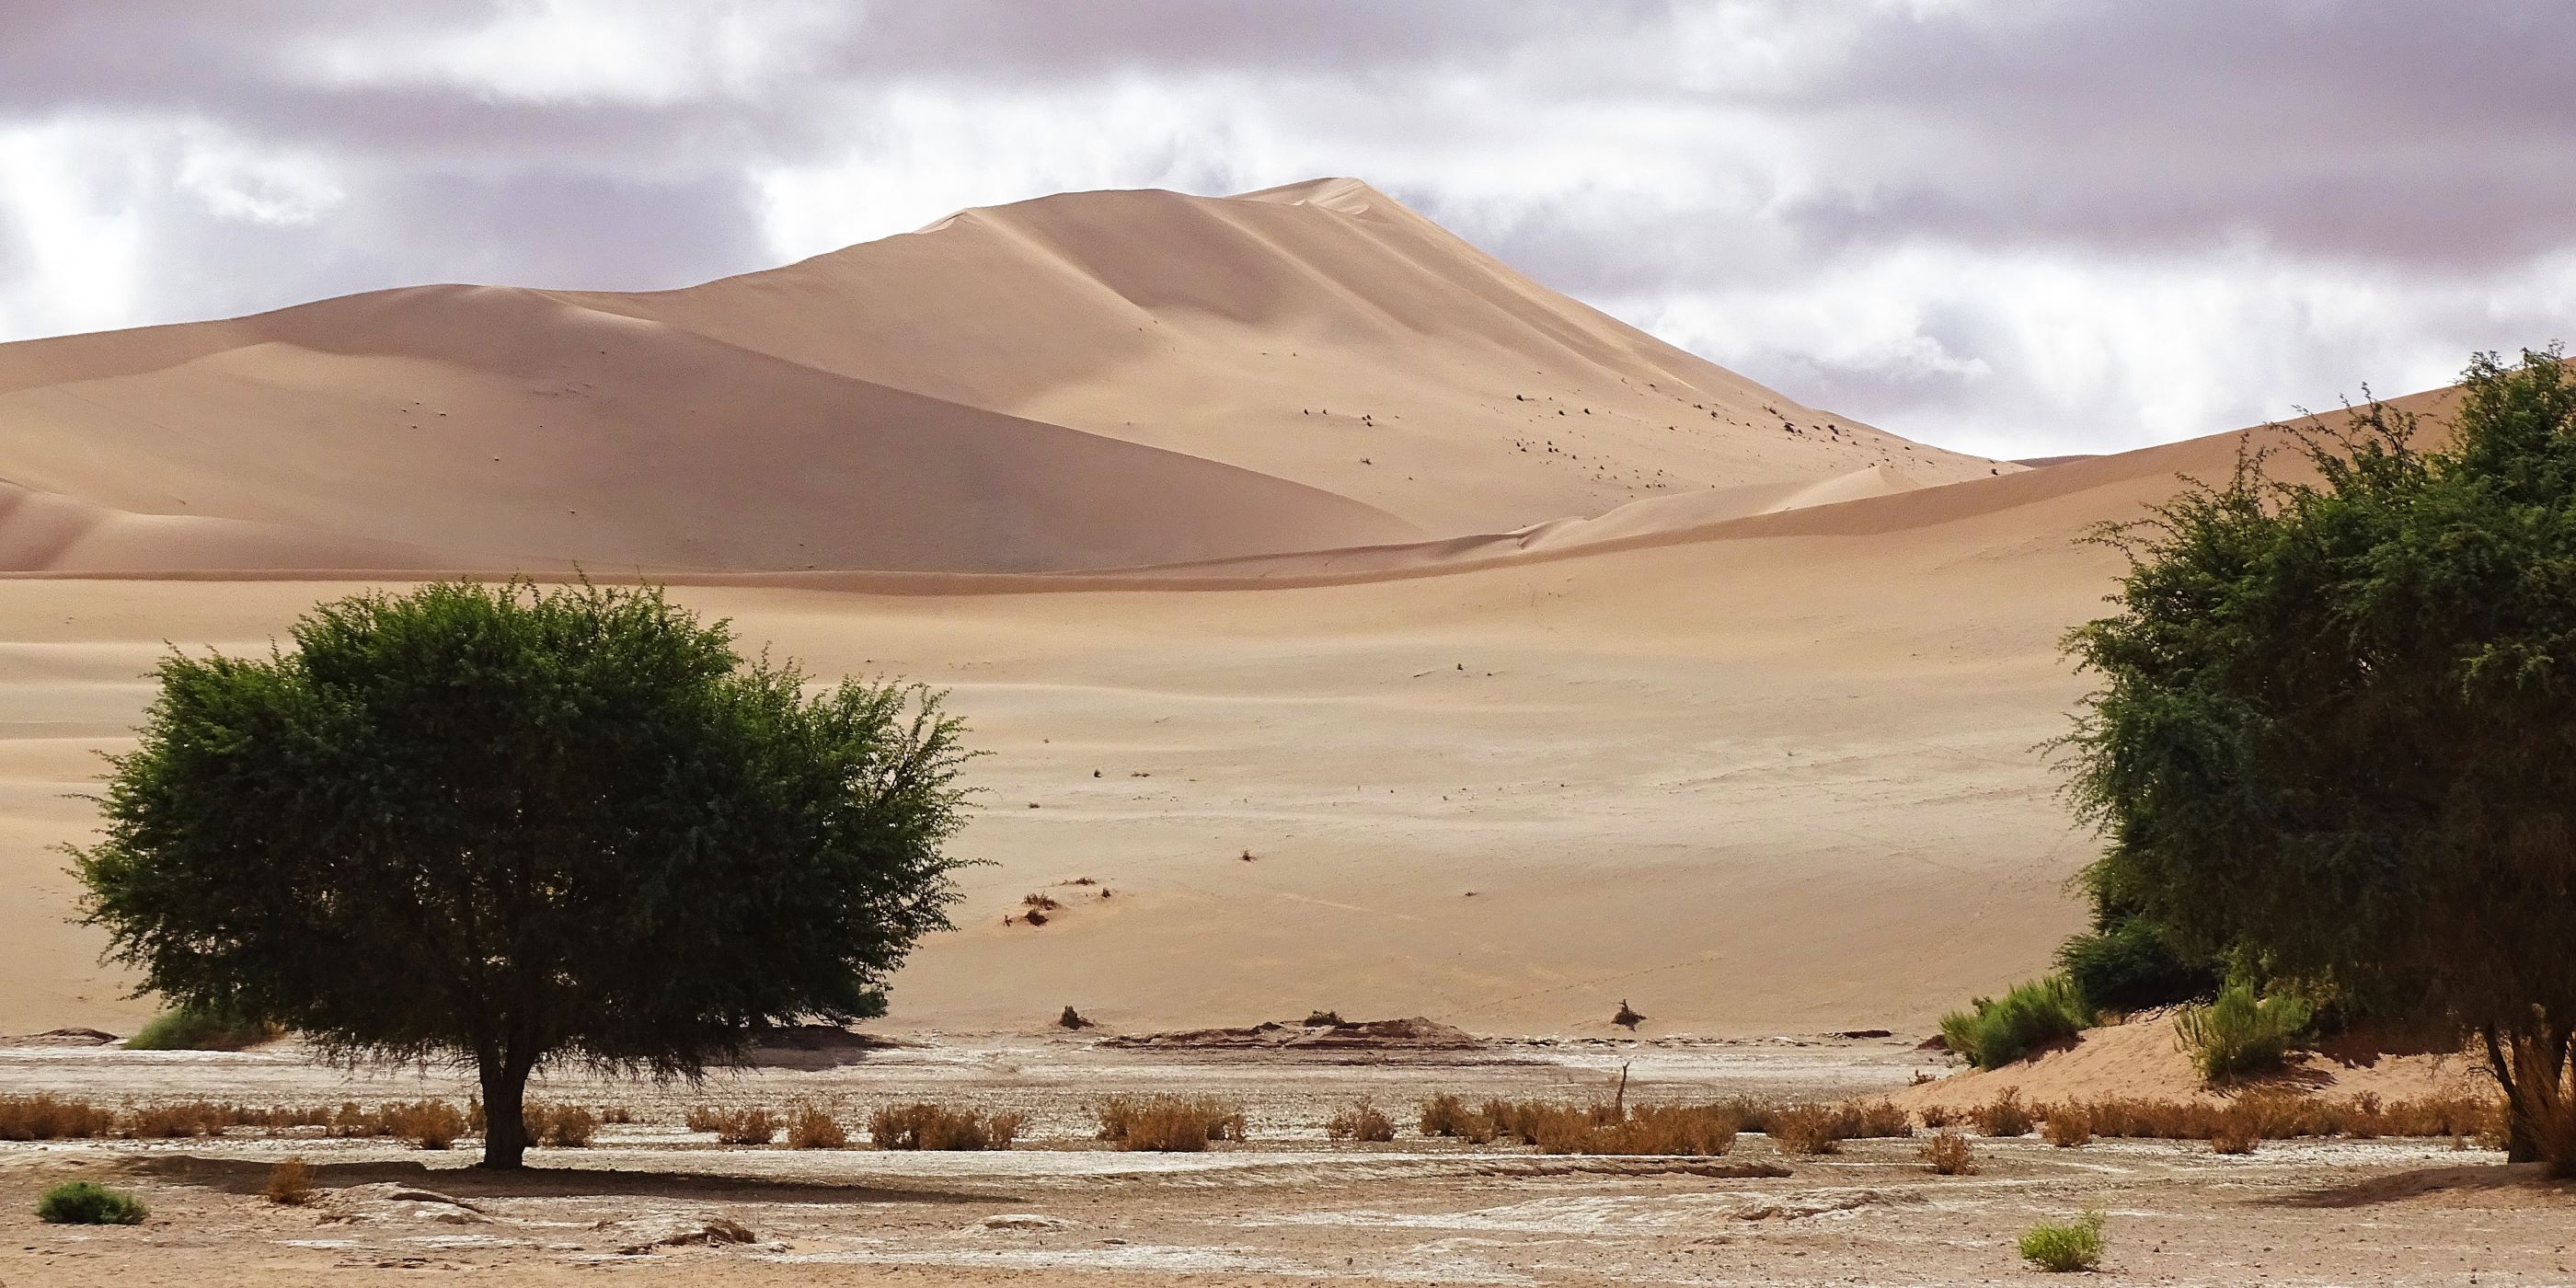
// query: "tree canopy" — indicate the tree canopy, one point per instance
point(508, 826)
point(2336, 730)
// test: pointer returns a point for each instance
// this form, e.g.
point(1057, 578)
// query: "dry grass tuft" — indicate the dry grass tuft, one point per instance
point(937, 1127)
point(1807, 1130)
point(2067, 1127)
point(562, 1126)
point(812, 1127)
point(2274, 1115)
point(1179, 1124)
point(290, 1184)
point(2006, 1115)
point(1947, 1153)
point(1361, 1122)
point(427, 1124)
point(1447, 1115)
point(734, 1126)
point(1558, 1127)
point(43, 1117)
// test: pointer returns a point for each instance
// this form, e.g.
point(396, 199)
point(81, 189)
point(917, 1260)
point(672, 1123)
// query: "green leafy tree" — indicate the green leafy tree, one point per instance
point(510, 827)
point(2336, 734)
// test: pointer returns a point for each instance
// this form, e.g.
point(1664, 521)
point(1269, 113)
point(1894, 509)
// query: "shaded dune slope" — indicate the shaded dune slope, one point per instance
point(517, 428)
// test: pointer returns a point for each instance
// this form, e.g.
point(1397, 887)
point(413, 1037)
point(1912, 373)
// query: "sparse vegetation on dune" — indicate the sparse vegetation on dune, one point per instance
point(2238, 1036)
point(1994, 1032)
point(201, 1028)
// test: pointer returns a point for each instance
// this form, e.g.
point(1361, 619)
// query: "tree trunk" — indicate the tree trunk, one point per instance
point(505, 1113)
point(2540, 1107)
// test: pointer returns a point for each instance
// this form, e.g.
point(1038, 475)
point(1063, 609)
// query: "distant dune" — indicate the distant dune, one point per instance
point(1095, 380)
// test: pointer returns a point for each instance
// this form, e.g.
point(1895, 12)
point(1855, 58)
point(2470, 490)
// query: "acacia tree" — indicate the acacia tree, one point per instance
point(509, 827)
point(2337, 727)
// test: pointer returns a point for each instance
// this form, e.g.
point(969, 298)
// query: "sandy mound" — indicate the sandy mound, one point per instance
point(1414, 1034)
point(2142, 1060)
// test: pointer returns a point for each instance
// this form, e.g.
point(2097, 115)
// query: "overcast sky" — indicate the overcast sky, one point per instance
point(2014, 227)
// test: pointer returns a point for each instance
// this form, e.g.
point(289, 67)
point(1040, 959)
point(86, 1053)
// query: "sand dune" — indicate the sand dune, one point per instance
point(1320, 332)
point(1725, 709)
point(1087, 381)
point(514, 426)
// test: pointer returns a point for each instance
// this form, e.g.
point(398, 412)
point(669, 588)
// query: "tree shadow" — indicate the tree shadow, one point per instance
point(249, 1176)
point(2471, 1177)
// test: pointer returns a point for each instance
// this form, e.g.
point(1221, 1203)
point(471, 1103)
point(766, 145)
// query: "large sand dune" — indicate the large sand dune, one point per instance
point(1729, 719)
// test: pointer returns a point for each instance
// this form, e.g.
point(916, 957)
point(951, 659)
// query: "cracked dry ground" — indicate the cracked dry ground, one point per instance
point(2291, 1214)
point(650, 1204)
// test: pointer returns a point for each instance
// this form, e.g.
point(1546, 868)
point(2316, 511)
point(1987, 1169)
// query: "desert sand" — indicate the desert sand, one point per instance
point(1353, 624)
point(1234, 526)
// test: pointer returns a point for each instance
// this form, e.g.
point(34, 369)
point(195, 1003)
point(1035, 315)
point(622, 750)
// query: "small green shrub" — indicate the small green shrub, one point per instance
point(2238, 1035)
point(2062, 1249)
point(190, 1028)
point(86, 1203)
point(1997, 1032)
point(2128, 966)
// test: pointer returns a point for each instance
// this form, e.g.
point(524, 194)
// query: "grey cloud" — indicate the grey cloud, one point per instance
point(2412, 145)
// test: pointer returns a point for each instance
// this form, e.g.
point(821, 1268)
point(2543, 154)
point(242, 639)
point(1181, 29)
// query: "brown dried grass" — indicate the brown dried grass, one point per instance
point(1947, 1154)
point(813, 1127)
point(938, 1127)
point(734, 1126)
point(1362, 1121)
point(1179, 1124)
point(2067, 1127)
point(2005, 1115)
point(290, 1184)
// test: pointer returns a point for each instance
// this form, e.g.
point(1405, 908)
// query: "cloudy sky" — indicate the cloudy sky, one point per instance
point(2015, 227)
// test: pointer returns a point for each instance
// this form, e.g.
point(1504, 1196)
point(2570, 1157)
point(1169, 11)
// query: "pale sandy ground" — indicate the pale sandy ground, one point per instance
point(1283, 1208)
point(2143, 1060)
point(1778, 773)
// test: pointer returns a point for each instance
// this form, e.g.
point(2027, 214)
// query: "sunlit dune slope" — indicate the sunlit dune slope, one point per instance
point(1320, 332)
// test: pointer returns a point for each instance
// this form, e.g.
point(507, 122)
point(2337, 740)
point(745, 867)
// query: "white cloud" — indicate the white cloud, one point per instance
point(74, 193)
point(238, 180)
